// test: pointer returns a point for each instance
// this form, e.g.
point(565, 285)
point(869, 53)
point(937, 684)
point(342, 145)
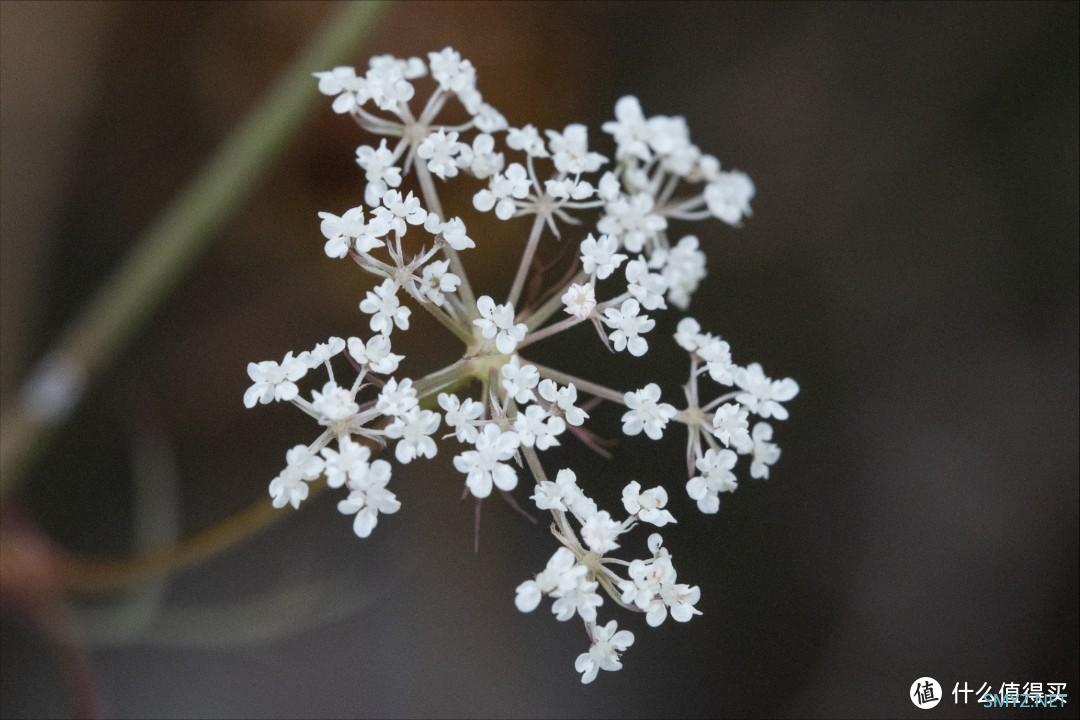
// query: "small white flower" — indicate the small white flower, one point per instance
point(680, 600)
point(451, 71)
point(728, 196)
point(653, 588)
point(527, 595)
point(670, 138)
point(486, 465)
point(579, 300)
point(386, 82)
point(408, 68)
point(453, 232)
point(683, 271)
point(437, 281)
point(763, 452)
point(368, 498)
point(630, 129)
point(609, 188)
point(568, 189)
point(570, 150)
point(519, 380)
point(561, 574)
point(580, 599)
point(608, 643)
point(717, 356)
point(646, 580)
point(716, 478)
point(399, 212)
point(688, 334)
point(565, 495)
point(340, 231)
point(503, 188)
point(433, 223)
point(274, 381)
point(649, 505)
point(731, 425)
point(440, 149)
point(350, 230)
point(600, 532)
point(708, 168)
point(497, 321)
point(763, 395)
point(461, 415)
point(565, 399)
point(632, 220)
point(627, 326)
point(375, 354)
point(683, 157)
point(289, 487)
point(647, 287)
point(351, 91)
point(646, 412)
point(334, 404)
point(322, 352)
point(413, 430)
point(487, 118)
point(536, 428)
point(396, 399)
point(481, 159)
point(556, 495)
point(379, 171)
point(349, 461)
point(526, 139)
point(599, 257)
point(385, 309)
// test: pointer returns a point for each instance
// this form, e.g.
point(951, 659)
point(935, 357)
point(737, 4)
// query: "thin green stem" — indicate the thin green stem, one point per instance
point(526, 259)
point(442, 378)
point(553, 304)
point(553, 329)
point(583, 385)
point(722, 398)
point(439, 314)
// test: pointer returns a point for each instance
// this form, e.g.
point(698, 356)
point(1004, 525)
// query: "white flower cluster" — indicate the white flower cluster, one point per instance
point(500, 409)
point(580, 567)
point(723, 423)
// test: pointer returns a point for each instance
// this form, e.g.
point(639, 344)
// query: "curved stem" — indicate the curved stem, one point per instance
point(722, 398)
point(95, 576)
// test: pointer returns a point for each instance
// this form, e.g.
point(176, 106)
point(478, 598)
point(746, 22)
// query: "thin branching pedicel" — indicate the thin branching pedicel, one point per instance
point(509, 410)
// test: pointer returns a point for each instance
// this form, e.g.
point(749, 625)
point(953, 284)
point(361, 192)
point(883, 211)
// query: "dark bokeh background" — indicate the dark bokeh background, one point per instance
point(912, 261)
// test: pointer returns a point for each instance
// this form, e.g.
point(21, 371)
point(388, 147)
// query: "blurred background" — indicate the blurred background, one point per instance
point(911, 261)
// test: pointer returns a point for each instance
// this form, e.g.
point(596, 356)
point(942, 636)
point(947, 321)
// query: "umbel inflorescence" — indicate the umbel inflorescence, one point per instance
point(494, 410)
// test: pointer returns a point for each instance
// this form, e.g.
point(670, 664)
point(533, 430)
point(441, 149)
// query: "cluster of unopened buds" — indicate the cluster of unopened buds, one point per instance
point(500, 409)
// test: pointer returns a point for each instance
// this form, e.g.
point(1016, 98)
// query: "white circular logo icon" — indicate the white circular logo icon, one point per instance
point(925, 693)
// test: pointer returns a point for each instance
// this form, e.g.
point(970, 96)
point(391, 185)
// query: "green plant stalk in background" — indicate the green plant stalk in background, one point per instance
point(173, 243)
